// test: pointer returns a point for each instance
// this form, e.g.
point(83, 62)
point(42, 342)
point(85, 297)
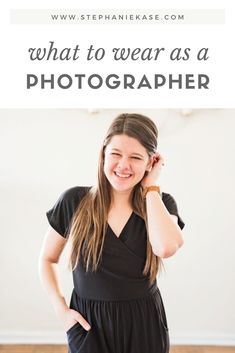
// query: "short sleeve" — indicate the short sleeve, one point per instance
point(61, 213)
point(172, 208)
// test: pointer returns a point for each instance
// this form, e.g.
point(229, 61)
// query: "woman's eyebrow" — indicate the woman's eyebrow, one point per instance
point(134, 153)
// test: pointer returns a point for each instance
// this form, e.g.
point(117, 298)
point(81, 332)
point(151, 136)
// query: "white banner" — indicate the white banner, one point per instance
point(166, 57)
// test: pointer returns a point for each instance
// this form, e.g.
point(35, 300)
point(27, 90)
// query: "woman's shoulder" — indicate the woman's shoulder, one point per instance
point(61, 213)
point(172, 207)
point(75, 192)
point(166, 195)
point(167, 198)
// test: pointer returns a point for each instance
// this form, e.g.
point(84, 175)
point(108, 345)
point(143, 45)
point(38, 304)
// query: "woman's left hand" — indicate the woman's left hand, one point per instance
point(154, 172)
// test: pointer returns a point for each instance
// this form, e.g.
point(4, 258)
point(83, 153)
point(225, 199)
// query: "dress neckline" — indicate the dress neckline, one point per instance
point(120, 236)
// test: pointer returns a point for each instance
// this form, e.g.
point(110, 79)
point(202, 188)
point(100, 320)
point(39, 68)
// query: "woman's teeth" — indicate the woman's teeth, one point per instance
point(122, 175)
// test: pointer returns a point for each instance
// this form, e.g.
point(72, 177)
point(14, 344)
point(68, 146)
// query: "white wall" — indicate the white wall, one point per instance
point(44, 152)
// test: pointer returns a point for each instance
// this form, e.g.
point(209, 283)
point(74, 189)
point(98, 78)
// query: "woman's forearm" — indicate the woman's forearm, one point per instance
point(164, 234)
point(48, 272)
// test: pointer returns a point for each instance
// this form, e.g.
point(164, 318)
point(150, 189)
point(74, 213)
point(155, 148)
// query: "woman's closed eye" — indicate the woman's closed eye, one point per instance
point(137, 158)
point(132, 157)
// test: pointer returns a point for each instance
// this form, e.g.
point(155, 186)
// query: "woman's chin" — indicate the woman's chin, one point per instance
point(122, 187)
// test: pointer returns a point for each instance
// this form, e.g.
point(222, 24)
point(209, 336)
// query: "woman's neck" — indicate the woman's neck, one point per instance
point(121, 199)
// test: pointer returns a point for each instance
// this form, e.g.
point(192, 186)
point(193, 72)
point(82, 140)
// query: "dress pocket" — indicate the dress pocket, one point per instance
point(161, 310)
point(162, 320)
point(73, 327)
point(76, 337)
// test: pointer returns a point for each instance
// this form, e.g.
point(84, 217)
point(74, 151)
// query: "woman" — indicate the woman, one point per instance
point(118, 232)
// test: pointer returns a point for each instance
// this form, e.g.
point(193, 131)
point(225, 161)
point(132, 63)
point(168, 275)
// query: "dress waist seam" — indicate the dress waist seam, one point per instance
point(149, 294)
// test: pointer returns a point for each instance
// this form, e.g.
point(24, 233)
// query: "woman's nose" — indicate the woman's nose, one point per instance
point(123, 163)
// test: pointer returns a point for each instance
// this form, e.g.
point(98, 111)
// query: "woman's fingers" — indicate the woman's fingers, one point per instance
point(72, 317)
point(158, 159)
point(82, 321)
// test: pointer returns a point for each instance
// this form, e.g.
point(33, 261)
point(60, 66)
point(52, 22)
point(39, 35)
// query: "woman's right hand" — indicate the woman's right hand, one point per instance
point(70, 317)
point(50, 254)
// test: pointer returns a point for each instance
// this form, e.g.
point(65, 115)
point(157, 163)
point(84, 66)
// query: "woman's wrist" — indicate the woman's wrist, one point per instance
point(147, 183)
point(60, 305)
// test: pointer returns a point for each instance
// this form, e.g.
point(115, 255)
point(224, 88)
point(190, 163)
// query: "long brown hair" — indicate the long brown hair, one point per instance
point(89, 223)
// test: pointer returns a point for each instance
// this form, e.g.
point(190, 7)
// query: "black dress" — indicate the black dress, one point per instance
point(125, 314)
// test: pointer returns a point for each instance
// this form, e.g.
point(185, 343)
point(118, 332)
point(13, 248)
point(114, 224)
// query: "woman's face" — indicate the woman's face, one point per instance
point(125, 162)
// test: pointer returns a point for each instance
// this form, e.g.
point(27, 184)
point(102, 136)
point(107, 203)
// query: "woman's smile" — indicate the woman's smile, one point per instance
point(122, 175)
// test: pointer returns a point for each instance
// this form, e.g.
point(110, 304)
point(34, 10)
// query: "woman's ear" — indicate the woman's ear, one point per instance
point(149, 165)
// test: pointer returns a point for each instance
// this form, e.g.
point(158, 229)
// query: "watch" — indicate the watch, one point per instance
point(151, 188)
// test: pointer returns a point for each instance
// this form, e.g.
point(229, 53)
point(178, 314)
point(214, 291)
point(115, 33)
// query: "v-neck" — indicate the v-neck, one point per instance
point(121, 235)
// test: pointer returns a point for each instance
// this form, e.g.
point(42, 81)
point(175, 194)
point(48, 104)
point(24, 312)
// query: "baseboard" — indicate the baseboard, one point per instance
point(204, 340)
point(58, 337)
point(33, 337)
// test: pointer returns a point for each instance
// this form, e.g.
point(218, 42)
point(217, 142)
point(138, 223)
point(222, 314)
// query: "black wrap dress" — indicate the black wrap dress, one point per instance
point(125, 313)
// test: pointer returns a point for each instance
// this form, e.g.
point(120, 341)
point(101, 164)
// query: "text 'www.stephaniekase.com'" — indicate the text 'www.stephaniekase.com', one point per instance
point(112, 80)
